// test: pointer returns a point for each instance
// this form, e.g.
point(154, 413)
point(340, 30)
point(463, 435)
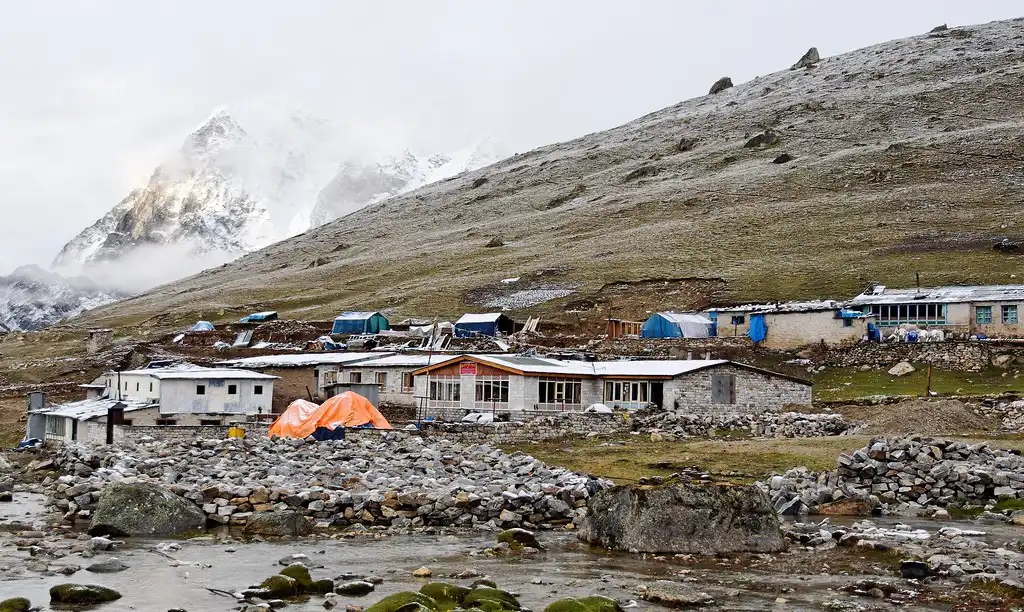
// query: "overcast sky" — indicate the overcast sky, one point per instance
point(94, 94)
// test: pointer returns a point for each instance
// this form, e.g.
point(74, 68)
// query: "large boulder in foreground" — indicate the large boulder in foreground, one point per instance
point(278, 523)
point(144, 509)
point(702, 519)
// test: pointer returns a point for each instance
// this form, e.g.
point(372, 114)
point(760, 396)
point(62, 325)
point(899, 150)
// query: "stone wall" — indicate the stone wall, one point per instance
point(180, 433)
point(755, 392)
point(536, 429)
point(946, 355)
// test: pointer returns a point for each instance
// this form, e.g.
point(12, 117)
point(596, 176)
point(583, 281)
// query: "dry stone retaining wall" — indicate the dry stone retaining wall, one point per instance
point(953, 355)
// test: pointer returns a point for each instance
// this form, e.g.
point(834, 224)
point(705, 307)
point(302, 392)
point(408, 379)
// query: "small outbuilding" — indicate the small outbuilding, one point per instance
point(485, 324)
point(677, 325)
point(360, 323)
point(202, 326)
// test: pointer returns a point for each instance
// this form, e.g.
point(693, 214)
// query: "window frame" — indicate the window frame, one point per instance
point(232, 388)
point(738, 320)
point(166, 422)
point(983, 315)
point(381, 378)
point(257, 389)
point(1008, 314)
point(200, 389)
point(355, 377)
point(407, 376)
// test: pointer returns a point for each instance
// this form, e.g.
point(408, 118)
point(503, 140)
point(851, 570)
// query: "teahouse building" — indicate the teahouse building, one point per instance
point(989, 310)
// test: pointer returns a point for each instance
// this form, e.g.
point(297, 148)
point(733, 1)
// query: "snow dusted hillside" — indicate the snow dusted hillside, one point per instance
point(32, 298)
point(358, 185)
point(247, 177)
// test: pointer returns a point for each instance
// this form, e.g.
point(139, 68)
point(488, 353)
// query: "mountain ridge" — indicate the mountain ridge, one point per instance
point(806, 183)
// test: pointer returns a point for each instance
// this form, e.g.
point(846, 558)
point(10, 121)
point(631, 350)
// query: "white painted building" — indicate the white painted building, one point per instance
point(508, 384)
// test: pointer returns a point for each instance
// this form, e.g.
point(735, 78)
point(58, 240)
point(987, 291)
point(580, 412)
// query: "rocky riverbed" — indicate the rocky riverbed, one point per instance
point(394, 479)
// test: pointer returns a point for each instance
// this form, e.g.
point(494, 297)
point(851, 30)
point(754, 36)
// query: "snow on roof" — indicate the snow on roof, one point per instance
point(188, 371)
point(91, 409)
point(489, 317)
point(946, 295)
point(686, 317)
point(300, 360)
point(399, 361)
point(808, 306)
point(355, 316)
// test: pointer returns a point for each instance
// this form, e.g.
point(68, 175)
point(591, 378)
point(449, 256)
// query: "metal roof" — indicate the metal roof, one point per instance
point(686, 317)
point(301, 360)
point(399, 361)
point(945, 295)
point(94, 408)
point(188, 371)
point(808, 306)
point(489, 317)
point(355, 316)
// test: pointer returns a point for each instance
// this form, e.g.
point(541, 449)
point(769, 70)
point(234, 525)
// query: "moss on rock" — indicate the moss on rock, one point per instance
point(300, 573)
point(81, 594)
point(392, 603)
point(356, 588)
point(517, 538)
point(15, 604)
point(281, 586)
point(325, 585)
point(447, 595)
point(480, 595)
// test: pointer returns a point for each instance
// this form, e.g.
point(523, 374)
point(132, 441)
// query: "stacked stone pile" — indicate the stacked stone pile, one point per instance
point(1011, 414)
point(961, 356)
point(904, 474)
point(396, 480)
point(769, 424)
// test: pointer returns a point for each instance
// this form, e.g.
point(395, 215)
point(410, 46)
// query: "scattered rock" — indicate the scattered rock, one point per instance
point(281, 586)
point(480, 182)
point(808, 60)
point(495, 242)
point(517, 538)
point(422, 572)
point(355, 588)
point(448, 595)
point(144, 509)
point(278, 523)
point(687, 143)
point(109, 566)
point(676, 595)
point(683, 518)
point(938, 28)
point(914, 569)
point(720, 85)
point(15, 604)
point(763, 140)
point(82, 594)
point(781, 159)
point(392, 603)
point(901, 369)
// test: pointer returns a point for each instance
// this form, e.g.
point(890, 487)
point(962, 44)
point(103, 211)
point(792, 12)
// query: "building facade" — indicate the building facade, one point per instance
point(790, 325)
point(990, 310)
point(510, 384)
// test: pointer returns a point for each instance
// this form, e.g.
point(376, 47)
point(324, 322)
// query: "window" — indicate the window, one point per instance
point(356, 377)
point(847, 322)
point(150, 387)
point(625, 391)
point(200, 389)
point(232, 389)
point(739, 319)
point(898, 314)
point(126, 385)
point(1009, 314)
point(444, 389)
point(983, 315)
point(137, 386)
point(56, 427)
point(166, 422)
point(126, 422)
point(723, 389)
point(382, 380)
point(407, 381)
point(492, 390)
point(559, 391)
point(209, 421)
point(257, 390)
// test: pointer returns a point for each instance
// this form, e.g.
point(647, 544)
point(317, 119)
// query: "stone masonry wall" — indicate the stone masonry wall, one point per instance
point(755, 392)
point(955, 355)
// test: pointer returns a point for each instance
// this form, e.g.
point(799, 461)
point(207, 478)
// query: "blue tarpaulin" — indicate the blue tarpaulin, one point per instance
point(202, 326)
point(259, 317)
point(758, 328)
point(360, 323)
point(676, 325)
point(489, 324)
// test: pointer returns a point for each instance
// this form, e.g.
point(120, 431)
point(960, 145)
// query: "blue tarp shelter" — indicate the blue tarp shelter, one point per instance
point(758, 328)
point(259, 317)
point(486, 324)
point(360, 323)
point(202, 326)
point(677, 325)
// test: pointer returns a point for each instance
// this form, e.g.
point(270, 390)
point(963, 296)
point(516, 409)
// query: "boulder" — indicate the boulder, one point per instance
point(300, 573)
point(766, 138)
point(82, 594)
point(720, 85)
point(686, 143)
point(808, 60)
point(594, 603)
point(109, 566)
point(480, 596)
point(144, 509)
point(676, 595)
point(356, 588)
point(782, 159)
point(683, 518)
point(901, 369)
point(914, 569)
point(518, 538)
point(277, 523)
point(281, 586)
point(448, 595)
point(15, 604)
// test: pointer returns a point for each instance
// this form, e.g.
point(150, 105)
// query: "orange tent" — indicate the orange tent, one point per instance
point(295, 421)
point(349, 409)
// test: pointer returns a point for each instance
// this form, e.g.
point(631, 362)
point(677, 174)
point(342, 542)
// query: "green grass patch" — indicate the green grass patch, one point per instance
point(1010, 504)
point(840, 384)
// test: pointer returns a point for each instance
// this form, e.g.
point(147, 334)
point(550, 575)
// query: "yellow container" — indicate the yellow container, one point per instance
point(236, 432)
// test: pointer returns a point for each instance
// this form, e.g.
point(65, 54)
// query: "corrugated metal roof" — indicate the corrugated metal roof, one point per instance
point(944, 295)
point(94, 408)
point(301, 360)
point(808, 306)
point(398, 361)
point(686, 317)
point(188, 371)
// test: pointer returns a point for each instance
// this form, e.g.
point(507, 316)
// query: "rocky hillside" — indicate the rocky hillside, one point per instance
point(806, 183)
point(32, 298)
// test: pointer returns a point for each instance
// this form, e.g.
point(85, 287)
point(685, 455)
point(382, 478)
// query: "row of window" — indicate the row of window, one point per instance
point(381, 378)
point(919, 314)
point(1007, 314)
point(232, 390)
